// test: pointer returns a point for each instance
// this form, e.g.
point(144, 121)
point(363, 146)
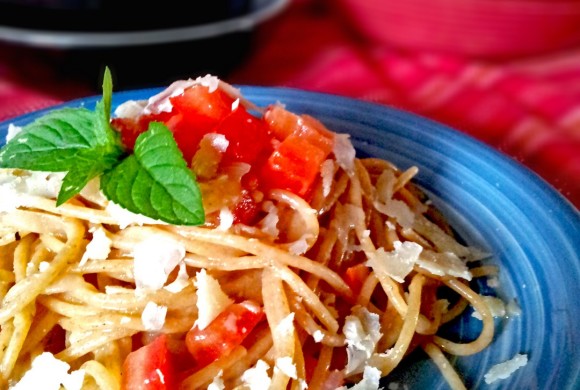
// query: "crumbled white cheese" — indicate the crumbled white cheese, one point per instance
point(398, 210)
point(218, 141)
point(362, 332)
point(50, 373)
point(493, 282)
point(211, 300)
point(217, 383)
point(125, 217)
point(257, 378)
point(153, 316)
point(496, 306)
point(286, 366)
point(385, 203)
point(344, 152)
point(130, 109)
point(12, 132)
point(211, 82)
point(154, 260)
point(506, 369)
point(370, 380)
point(162, 103)
point(397, 263)
point(327, 170)
point(442, 264)
point(99, 247)
point(269, 223)
point(513, 309)
point(318, 336)
point(226, 219)
point(285, 326)
point(13, 184)
point(43, 266)
point(235, 104)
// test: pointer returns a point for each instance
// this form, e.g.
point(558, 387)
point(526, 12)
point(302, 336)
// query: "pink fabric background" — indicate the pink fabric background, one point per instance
point(528, 107)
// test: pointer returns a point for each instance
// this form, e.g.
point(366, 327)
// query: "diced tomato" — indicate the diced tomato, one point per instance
point(247, 136)
point(224, 333)
point(355, 277)
point(201, 103)
point(150, 367)
point(296, 161)
point(281, 122)
point(246, 210)
point(197, 112)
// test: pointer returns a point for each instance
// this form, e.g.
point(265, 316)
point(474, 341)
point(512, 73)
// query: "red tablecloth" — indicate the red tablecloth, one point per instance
point(528, 108)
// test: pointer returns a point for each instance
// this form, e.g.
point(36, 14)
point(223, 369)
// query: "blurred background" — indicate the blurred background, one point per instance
point(504, 71)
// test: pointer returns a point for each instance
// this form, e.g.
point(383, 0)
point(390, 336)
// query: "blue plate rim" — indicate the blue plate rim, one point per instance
point(559, 211)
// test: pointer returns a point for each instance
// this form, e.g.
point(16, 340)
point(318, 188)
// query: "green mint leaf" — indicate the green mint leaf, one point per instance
point(74, 181)
point(155, 181)
point(107, 94)
point(53, 142)
point(78, 141)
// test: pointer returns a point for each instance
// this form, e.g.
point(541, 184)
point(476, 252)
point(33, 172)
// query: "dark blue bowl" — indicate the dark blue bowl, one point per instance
point(494, 203)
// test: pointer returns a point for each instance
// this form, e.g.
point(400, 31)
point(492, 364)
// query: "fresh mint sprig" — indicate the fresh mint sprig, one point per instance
point(78, 141)
point(154, 181)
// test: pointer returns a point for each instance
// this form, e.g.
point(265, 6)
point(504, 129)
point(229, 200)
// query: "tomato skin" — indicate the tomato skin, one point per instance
point(224, 333)
point(150, 367)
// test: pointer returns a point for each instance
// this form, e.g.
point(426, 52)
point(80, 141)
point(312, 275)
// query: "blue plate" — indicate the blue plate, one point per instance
point(495, 204)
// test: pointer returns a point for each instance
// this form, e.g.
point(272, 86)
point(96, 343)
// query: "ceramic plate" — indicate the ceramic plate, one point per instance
point(494, 203)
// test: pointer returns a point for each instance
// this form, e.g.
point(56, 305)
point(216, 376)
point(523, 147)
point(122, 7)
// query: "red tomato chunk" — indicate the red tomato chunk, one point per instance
point(151, 367)
point(284, 150)
point(224, 333)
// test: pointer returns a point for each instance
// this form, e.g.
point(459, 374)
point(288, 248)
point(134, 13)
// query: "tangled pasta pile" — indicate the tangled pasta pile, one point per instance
point(312, 268)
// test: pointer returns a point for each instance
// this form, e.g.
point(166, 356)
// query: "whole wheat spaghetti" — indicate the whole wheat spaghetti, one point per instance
point(322, 287)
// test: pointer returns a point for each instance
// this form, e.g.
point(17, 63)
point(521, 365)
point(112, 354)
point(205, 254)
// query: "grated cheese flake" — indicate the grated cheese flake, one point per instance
point(496, 306)
point(287, 367)
point(218, 382)
point(154, 260)
point(12, 132)
point(211, 300)
point(257, 378)
point(506, 369)
point(226, 219)
point(49, 373)
point(153, 316)
point(362, 332)
point(344, 152)
point(99, 247)
point(397, 263)
point(327, 173)
point(442, 264)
